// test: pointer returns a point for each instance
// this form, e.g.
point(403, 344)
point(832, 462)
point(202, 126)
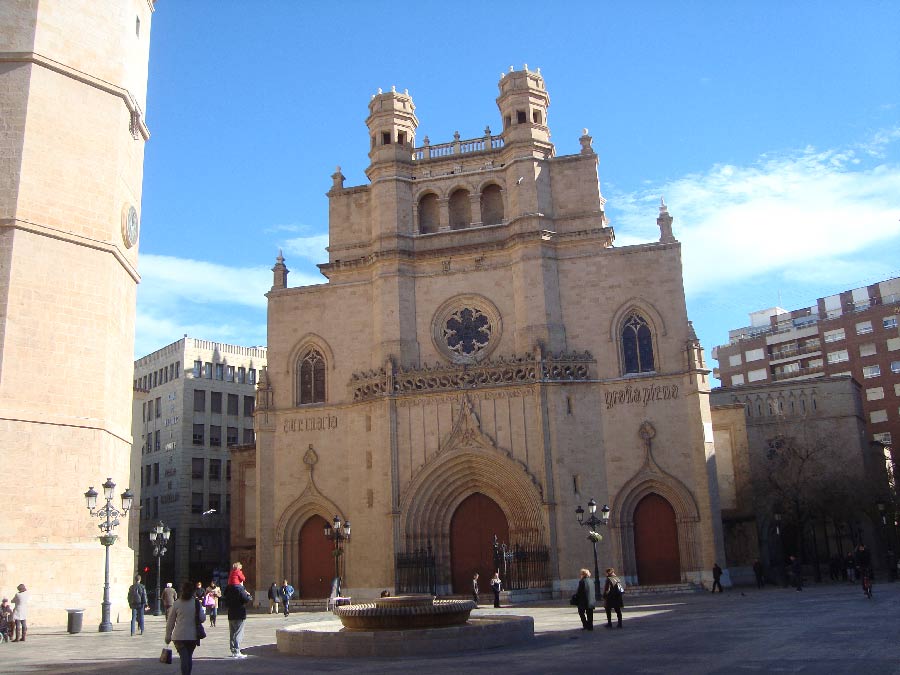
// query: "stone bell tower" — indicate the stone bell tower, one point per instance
point(74, 78)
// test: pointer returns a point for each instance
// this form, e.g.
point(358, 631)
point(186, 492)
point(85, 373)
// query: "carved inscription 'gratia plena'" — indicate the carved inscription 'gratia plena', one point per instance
point(641, 395)
point(319, 423)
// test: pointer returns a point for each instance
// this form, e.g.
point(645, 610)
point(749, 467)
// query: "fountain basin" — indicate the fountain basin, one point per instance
point(405, 612)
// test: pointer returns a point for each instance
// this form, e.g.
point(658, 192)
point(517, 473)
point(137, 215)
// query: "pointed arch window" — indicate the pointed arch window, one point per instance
point(637, 345)
point(311, 378)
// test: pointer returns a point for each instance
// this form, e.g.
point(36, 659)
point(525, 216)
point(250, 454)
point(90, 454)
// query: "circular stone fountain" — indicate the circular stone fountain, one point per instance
point(404, 612)
point(404, 626)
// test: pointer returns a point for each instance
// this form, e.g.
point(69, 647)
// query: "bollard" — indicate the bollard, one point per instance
point(76, 618)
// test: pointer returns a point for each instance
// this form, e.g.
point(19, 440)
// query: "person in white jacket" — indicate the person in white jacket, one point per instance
point(20, 613)
point(181, 626)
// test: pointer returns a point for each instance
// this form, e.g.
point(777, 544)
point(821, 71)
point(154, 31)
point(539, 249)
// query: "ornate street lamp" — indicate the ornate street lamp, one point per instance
point(109, 520)
point(159, 537)
point(338, 533)
point(592, 522)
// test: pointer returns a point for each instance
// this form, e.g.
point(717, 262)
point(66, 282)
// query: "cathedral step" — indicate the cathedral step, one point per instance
point(662, 589)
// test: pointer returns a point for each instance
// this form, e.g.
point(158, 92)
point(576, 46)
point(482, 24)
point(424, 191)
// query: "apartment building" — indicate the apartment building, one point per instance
point(196, 402)
point(854, 333)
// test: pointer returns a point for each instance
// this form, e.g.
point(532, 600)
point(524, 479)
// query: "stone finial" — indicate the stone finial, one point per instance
point(665, 223)
point(337, 179)
point(511, 69)
point(393, 89)
point(426, 141)
point(279, 273)
point(455, 135)
point(379, 90)
point(586, 143)
point(692, 334)
point(487, 130)
point(406, 92)
point(525, 67)
point(538, 71)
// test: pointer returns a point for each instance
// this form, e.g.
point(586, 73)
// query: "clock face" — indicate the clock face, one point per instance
point(130, 226)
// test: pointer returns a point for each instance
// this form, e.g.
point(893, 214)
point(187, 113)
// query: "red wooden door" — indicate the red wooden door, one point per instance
point(656, 542)
point(316, 560)
point(473, 526)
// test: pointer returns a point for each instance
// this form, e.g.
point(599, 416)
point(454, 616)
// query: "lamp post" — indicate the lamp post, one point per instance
point(592, 522)
point(159, 537)
point(338, 533)
point(109, 520)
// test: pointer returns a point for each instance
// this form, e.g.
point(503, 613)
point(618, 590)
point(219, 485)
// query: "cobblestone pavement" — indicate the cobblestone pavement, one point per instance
point(824, 629)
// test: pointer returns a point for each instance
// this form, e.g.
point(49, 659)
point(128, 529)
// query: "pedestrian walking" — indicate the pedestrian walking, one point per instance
point(496, 587)
point(181, 626)
point(797, 572)
point(236, 598)
point(273, 598)
point(717, 577)
point(6, 620)
point(137, 600)
point(758, 573)
point(287, 592)
point(475, 588)
point(199, 591)
point(585, 600)
point(211, 602)
point(168, 596)
point(613, 597)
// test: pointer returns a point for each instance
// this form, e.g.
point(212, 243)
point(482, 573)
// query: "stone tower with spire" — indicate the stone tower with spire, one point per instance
point(74, 83)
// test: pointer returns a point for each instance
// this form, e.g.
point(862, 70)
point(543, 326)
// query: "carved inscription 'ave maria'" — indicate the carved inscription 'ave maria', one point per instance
point(641, 395)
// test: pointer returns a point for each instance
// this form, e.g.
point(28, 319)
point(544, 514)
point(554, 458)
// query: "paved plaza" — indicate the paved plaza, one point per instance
point(824, 629)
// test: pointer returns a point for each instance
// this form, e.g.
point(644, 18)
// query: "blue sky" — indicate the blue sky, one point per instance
point(772, 129)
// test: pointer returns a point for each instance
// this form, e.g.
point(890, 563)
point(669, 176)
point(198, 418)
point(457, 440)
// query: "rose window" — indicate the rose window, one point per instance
point(467, 331)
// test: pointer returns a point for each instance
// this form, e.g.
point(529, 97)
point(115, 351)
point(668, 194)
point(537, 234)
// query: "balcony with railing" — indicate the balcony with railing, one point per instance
point(811, 371)
point(485, 143)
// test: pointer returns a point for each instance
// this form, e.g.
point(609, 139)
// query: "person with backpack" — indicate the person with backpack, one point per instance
point(613, 597)
point(137, 600)
point(287, 592)
point(211, 602)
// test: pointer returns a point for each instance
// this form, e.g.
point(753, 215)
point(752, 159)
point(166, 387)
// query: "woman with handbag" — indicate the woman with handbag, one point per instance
point(184, 626)
point(211, 602)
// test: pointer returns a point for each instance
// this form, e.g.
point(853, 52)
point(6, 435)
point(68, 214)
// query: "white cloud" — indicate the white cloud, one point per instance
point(785, 213)
point(311, 247)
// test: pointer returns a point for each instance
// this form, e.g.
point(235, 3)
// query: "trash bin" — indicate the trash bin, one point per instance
point(76, 618)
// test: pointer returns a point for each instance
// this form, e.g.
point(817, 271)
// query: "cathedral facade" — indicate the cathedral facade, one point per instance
point(481, 361)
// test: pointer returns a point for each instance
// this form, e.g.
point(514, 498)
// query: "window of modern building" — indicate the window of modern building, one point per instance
point(227, 503)
point(883, 437)
point(215, 502)
point(875, 393)
point(637, 345)
point(215, 402)
point(231, 434)
point(198, 434)
point(229, 373)
point(893, 344)
point(889, 322)
point(177, 369)
point(734, 360)
point(147, 471)
point(248, 437)
point(155, 507)
point(215, 469)
point(878, 416)
point(757, 375)
point(737, 380)
point(156, 441)
point(197, 468)
point(895, 367)
point(197, 502)
point(311, 378)
point(838, 357)
point(814, 363)
point(156, 473)
point(215, 435)
point(228, 470)
point(835, 335)
point(198, 368)
point(241, 375)
point(145, 512)
point(863, 327)
point(871, 371)
point(199, 400)
point(845, 373)
point(249, 405)
point(158, 407)
point(754, 354)
point(207, 370)
point(251, 376)
point(220, 371)
point(233, 404)
point(867, 349)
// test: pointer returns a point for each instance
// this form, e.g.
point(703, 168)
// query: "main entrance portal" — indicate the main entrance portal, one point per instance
point(656, 542)
point(316, 560)
point(472, 529)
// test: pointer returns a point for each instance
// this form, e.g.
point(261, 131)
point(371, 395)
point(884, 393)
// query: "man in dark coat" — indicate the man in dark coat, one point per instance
point(717, 577)
point(237, 598)
point(137, 600)
point(585, 600)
